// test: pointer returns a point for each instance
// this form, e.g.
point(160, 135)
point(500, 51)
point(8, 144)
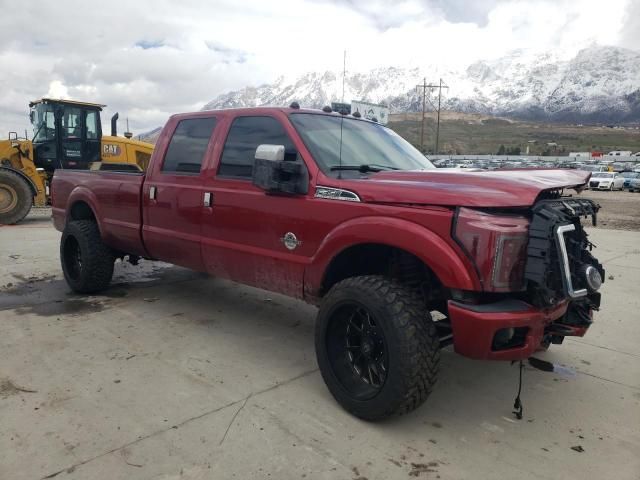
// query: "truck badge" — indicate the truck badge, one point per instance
point(290, 241)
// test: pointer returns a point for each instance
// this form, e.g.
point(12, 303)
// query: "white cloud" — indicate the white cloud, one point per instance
point(57, 90)
point(148, 59)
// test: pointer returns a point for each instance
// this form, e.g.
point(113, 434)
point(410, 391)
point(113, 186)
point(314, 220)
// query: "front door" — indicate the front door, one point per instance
point(173, 194)
point(71, 126)
point(249, 236)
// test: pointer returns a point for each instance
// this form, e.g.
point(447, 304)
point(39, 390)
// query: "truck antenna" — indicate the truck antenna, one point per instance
point(340, 153)
point(344, 72)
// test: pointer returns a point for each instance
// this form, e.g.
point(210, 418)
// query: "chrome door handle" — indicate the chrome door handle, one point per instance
point(208, 199)
point(152, 193)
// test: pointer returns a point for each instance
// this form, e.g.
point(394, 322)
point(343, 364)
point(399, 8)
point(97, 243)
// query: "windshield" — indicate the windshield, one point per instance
point(43, 121)
point(629, 174)
point(363, 144)
point(602, 175)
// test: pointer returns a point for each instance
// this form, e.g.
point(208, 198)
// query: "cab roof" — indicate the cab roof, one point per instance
point(242, 111)
point(67, 102)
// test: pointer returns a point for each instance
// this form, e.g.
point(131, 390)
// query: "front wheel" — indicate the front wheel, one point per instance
point(87, 263)
point(16, 197)
point(377, 347)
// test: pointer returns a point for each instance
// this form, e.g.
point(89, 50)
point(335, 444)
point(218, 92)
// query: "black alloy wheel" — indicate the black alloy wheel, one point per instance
point(357, 350)
point(377, 346)
point(72, 257)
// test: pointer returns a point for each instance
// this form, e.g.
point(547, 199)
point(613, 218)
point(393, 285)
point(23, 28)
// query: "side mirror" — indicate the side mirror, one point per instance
point(275, 175)
point(274, 153)
point(13, 138)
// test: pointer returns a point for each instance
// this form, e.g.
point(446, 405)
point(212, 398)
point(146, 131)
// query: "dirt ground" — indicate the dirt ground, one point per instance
point(620, 210)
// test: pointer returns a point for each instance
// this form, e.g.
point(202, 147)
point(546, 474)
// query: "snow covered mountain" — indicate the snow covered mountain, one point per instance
point(599, 84)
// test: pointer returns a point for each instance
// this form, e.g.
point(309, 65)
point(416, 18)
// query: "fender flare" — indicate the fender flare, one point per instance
point(451, 267)
point(83, 194)
point(32, 186)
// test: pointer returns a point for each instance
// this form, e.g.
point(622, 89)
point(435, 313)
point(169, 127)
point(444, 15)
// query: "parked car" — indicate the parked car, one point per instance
point(606, 181)
point(634, 184)
point(594, 168)
point(628, 176)
point(288, 200)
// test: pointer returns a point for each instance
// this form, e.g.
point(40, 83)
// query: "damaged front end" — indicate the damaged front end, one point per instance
point(560, 267)
point(540, 280)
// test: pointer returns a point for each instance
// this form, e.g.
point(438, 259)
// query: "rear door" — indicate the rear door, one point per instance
point(173, 192)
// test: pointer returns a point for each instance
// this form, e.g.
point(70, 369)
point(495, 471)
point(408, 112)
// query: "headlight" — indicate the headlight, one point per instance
point(592, 277)
point(497, 245)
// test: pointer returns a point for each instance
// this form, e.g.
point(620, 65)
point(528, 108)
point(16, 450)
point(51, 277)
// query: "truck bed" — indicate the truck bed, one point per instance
point(115, 197)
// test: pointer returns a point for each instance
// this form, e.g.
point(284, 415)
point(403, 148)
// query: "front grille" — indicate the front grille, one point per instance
point(593, 184)
point(545, 270)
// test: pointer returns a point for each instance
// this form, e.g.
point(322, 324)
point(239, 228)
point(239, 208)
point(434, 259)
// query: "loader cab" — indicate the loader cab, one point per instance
point(67, 134)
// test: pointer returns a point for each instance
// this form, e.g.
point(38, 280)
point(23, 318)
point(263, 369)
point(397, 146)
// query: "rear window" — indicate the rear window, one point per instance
point(188, 145)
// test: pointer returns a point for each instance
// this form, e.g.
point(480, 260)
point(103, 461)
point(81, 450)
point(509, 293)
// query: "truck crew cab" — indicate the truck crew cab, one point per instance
point(343, 213)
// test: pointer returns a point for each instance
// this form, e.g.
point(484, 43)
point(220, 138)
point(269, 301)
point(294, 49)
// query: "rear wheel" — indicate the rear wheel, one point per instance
point(16, 197)
point(377, 347)
point(87, 262)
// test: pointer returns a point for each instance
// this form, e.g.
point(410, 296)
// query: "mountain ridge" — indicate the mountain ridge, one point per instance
point(598, 84)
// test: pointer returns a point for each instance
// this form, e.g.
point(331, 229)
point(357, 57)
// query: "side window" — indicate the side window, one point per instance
point(188, 145)
point(92, 125)
point(245, 135)
point(142, 159)
point(46, 127)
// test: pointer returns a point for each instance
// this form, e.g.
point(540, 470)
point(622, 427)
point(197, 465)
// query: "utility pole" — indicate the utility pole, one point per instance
point(424, 87)
point(440, 87)
point(424, 101)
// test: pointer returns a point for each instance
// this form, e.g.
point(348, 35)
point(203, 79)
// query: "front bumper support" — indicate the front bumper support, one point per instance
point(474, 327)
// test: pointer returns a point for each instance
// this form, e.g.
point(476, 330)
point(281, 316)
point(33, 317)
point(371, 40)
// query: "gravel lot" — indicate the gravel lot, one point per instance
point(173, 375)
point(620, 209)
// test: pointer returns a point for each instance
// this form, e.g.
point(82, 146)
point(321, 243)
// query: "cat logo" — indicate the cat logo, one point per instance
point(110, 150)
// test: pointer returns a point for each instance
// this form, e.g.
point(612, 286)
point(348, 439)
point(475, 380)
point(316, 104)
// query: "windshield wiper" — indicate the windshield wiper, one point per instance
point(372, 167)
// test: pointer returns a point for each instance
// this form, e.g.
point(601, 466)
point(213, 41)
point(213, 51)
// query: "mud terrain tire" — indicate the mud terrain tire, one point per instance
point(87, 262)
point(395, 323)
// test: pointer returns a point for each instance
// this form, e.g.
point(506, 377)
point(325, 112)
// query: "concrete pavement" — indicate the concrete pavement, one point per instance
point(174, 375)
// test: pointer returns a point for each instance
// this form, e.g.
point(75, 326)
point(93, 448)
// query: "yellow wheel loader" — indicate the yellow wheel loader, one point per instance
point(67, 134)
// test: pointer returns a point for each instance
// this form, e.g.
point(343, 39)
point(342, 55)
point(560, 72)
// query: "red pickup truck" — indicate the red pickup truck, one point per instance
point(401, 258)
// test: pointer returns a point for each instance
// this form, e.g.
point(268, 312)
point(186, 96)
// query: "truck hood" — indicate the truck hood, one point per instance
point(457, 187)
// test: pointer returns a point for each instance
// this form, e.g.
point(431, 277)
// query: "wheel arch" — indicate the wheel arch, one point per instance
point(393, 234)
point(80, 210)
point(82, 205)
